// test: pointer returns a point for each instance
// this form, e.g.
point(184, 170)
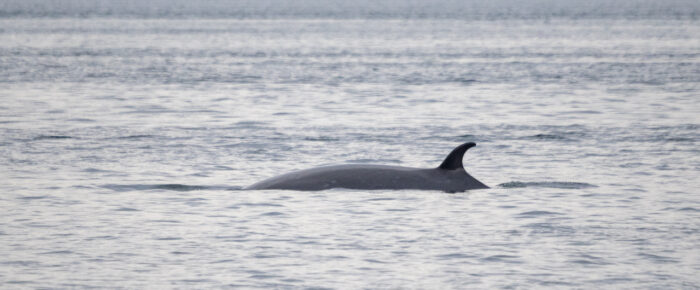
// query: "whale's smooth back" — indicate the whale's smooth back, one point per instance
point(450, 176)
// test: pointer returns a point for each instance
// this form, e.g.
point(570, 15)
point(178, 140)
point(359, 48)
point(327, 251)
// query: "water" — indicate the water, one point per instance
point(124, 142)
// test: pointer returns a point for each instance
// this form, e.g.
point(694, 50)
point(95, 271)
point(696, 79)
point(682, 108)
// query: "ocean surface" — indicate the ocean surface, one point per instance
point(125, 140)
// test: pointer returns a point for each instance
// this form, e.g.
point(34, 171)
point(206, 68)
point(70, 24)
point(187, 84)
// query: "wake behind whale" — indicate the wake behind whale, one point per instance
point(450, 176)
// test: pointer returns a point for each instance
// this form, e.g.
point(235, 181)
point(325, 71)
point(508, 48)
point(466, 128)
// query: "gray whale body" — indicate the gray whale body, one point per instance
point(450, 176)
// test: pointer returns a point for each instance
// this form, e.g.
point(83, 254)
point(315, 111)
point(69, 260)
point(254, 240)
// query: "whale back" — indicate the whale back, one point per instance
point(450, 176)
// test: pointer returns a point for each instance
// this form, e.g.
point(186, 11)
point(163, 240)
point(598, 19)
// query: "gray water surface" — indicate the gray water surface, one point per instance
point(124, 143)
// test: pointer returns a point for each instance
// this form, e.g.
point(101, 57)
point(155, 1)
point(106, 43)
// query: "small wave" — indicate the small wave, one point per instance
point(322, 139)
point(65, 252)
point(136, 137)
point(179, 187)
point(454, 256)
point(375, 261)
point(547, 228)
point(380, 199)
point(82, 120)
point(19, 282)
point(399, 209)
point(173, 187)
point(584, 259)
point(195, 280)
point(51, 137)
point(168, 239)
point(679, 139)
point(94, 170)
point(547, 137)
point(583, 112)
point(126, 209)
point(21, 263)
point(502, 258)
point(657, 258)
point(463, 81)
point(33, 197)
point(250, 124)
point(165, 221)
point(537, 213)
point(253, 204)
point(101, 238)
point(377, 161)
point(547, 184)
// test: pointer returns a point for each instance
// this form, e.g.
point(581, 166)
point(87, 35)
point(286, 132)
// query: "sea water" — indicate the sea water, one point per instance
point(125, 141)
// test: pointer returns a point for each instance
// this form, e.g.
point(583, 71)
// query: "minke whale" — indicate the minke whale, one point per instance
point(450, 176)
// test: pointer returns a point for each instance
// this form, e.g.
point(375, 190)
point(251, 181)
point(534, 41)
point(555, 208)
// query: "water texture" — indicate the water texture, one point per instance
point(125, 142)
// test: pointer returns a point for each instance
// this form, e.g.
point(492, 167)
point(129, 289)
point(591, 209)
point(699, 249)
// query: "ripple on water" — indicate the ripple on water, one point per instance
point(35, 197)
point(169, 186)
point(51, 137)
point(101, 238)
point(375, 261)
point(547, 184)
point(179, 187)
point(380, 199)
point(455, 256)
point(95, 170)
point(168, 239)
point(21, 263)
point(658, 259)
point(537, 213)
point(134, 137)
point(64, 252)
point(550, 229)
point(584, 259)
point(194, 281)
point(547, 137)
point(126, 209)
point(258, 204)
point(502, 259)
point(399, 209)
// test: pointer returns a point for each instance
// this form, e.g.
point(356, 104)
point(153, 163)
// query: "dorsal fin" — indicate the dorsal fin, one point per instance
point(454, 160)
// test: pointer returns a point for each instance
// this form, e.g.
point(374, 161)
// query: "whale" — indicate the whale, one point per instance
point(450, 176)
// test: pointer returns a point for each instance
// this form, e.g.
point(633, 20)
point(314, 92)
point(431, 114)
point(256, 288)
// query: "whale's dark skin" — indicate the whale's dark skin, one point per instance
point(450, 176)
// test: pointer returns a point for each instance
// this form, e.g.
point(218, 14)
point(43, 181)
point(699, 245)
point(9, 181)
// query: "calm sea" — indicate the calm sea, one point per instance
point(127, 131)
